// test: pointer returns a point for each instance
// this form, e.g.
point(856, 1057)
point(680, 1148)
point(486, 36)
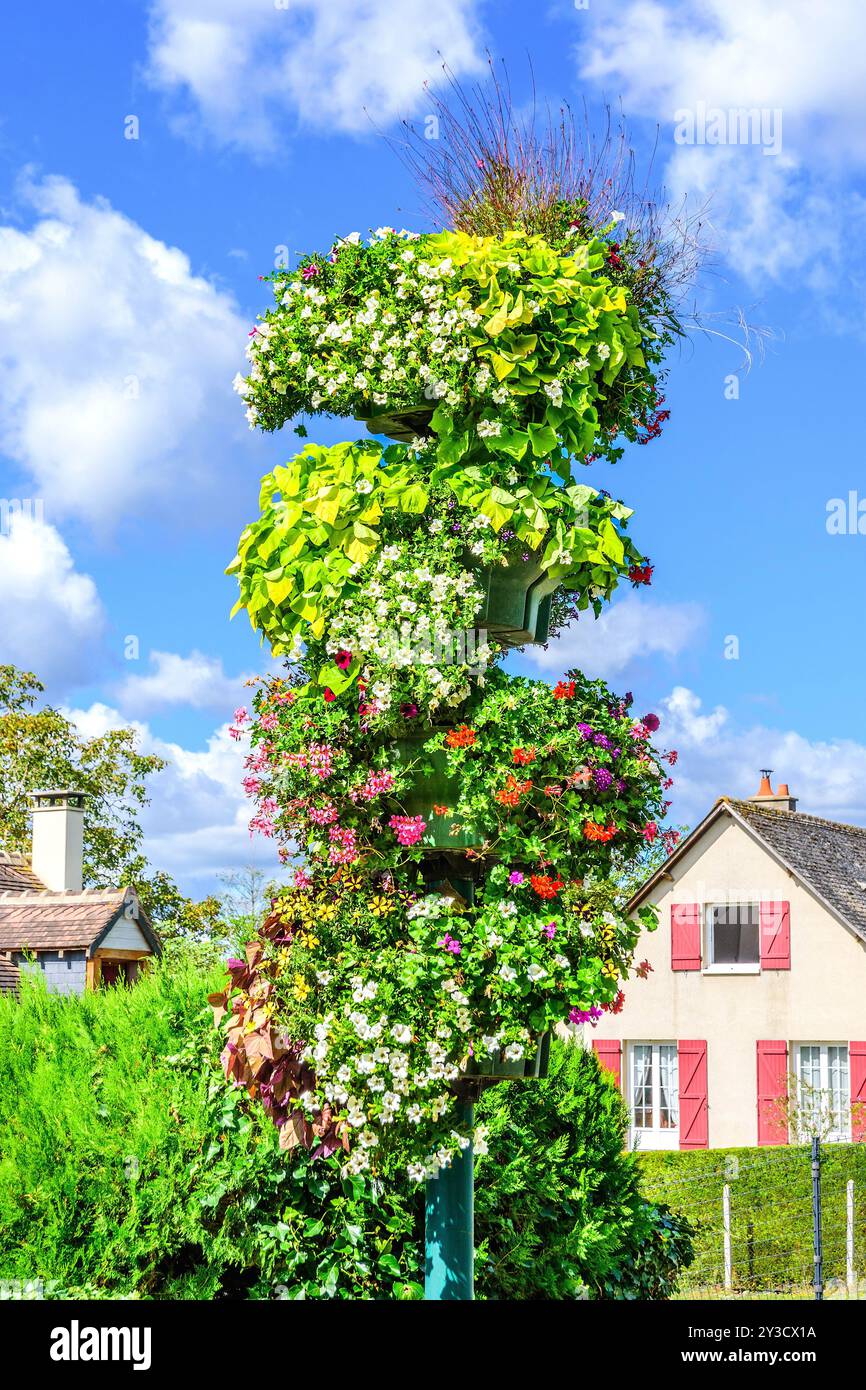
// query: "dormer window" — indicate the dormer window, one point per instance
point(733, 937)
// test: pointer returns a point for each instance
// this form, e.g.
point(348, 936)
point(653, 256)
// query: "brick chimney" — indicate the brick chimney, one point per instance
point(58, 840)
point(778, 800)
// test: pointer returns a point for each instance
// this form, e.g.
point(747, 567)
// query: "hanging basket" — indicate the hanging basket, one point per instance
point(403, 425)
point(495, 1067)
point(436, 788)
point(516, 607)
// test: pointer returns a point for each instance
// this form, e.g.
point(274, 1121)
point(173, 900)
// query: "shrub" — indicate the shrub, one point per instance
point(559, 1207)
point(128, 1168)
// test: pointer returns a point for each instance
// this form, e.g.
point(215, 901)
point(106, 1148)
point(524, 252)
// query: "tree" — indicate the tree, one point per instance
point(40, 748)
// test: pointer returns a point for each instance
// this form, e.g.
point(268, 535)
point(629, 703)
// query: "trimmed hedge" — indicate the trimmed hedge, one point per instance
point(129, 1168)
point(771, 1211)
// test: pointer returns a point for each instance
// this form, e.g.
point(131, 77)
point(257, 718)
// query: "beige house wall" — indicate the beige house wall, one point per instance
point(822, 998)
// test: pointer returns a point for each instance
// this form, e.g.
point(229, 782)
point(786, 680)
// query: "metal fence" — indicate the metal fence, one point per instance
point(786, 1222)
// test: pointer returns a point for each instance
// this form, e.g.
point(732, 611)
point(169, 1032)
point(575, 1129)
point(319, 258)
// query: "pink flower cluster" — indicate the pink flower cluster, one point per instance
point(344, 845)
point(323, 815)
point(263, 821)
point(408, 829)
point(376, 784)
point(318, 759)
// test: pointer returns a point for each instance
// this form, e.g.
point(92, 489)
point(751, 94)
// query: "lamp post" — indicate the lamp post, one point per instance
point(449, 1240)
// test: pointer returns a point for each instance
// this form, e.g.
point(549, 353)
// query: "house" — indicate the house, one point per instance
point(750, 1027)
point(79, 938)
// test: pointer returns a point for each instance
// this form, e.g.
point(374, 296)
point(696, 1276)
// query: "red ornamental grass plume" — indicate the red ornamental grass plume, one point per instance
point(498, 164)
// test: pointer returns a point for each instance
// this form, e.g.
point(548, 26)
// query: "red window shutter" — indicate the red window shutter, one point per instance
point(609, 1053)
point(685, 936)
point(772, 1092)
point(775, 936)
point(692, 1058)
point(857, 1063)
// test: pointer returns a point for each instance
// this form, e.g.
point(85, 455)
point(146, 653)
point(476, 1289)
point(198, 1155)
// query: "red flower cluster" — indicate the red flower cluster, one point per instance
point(653, 426)
point(545, 886)
point(641, 574)
point(462, 737)
point(602, 833)
point(524, 756)
point(512, 791)
point(564, 690)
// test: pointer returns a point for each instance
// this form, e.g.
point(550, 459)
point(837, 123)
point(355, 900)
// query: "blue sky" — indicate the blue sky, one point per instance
point(128, 279)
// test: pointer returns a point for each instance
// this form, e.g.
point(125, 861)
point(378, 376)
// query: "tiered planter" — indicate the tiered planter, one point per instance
point(440, 788)
point(516, 610)
point(402, 425)
point(444, 836)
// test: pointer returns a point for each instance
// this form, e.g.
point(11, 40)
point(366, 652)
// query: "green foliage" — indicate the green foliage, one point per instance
point(530, 349)
point(771, 1210)
point(127, 1165)
point(327, 514)
point(41, 749)
point(559, 1210)
point(128, 1168)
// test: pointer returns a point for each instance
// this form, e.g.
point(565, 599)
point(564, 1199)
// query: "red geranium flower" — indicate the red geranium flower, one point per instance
point(545, 886)
point(462, 737)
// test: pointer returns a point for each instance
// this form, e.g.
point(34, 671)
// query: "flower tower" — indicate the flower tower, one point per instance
point(453, 830)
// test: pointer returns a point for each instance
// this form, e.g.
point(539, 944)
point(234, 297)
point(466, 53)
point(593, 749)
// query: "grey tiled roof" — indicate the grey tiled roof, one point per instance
point(829, 858)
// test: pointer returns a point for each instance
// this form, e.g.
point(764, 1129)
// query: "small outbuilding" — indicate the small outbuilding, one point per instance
point(79, 938)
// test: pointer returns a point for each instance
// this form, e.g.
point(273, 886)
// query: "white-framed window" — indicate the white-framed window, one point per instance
point(654, 1096)
point(823, 1091)
point(732, 938)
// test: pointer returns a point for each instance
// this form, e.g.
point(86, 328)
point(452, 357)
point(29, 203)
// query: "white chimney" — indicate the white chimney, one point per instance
point(58, 840)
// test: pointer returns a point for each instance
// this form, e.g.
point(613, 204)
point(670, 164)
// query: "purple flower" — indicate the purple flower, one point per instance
point(584, 1015)
point(515, 877)
point(620, 785)
point(550, 930)
point(602, 778)
point(602, 740)
point(450, 943)
point(585, 730)
point(651, 722)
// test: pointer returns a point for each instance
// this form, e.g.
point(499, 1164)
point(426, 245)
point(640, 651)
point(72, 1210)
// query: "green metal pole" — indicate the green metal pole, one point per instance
point(449, 1238)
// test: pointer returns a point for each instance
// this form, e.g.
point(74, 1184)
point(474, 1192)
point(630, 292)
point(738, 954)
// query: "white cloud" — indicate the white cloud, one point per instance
point(777, 213)
point(196, 680)
point(629, 630)
point(197, 824)
point(116, 363)
point(242, 66)
point(51, 617)
point(718, 758)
